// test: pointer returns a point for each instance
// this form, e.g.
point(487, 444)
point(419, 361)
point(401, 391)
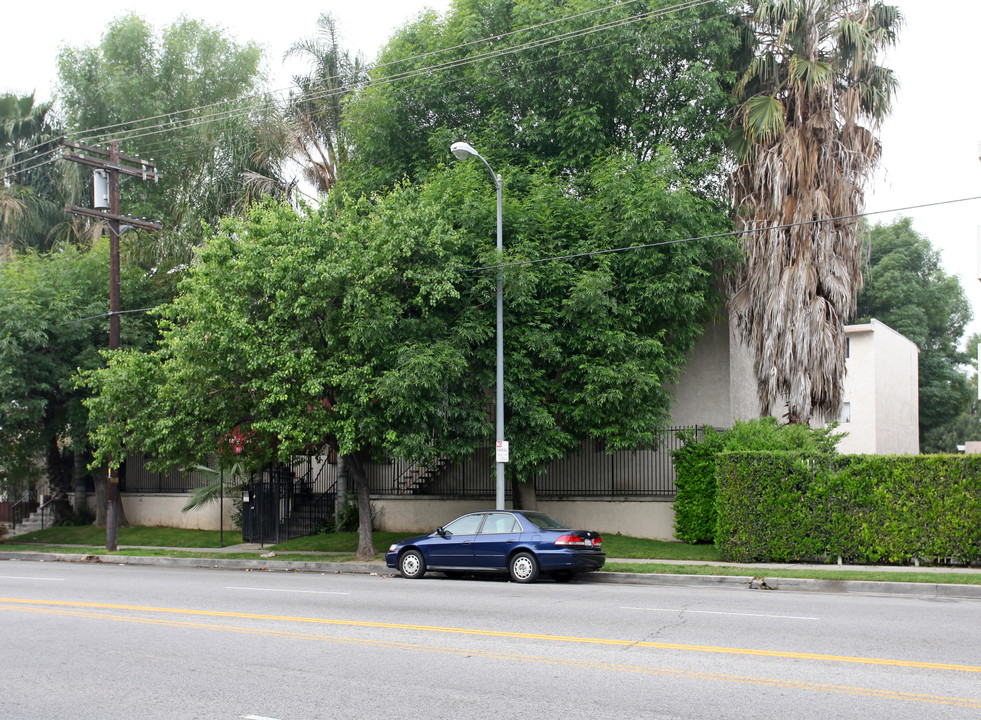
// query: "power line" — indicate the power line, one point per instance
point(136, 132)
point(645, 246)
point(717, 236)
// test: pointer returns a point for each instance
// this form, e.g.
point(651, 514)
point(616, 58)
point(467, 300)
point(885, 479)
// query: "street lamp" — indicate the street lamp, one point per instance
point(462, 151)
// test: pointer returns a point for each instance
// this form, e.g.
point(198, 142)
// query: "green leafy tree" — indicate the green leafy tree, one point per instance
point(907, 289)
point(608, 79)
point(49, 325)
point(188, 98)
point(810, 100)
point(368, 325)
point(306, 329)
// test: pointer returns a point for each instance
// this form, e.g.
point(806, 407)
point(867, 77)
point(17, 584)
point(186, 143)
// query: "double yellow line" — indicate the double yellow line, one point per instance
point(82, 609)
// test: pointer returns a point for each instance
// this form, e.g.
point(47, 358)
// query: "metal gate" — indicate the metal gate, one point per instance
point(287, 501)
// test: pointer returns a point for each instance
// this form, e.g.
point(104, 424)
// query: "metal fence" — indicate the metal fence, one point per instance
point(137, 478)
point(289, 500)
point(589, 471)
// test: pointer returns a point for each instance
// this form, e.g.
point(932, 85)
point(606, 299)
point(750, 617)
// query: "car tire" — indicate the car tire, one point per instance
point(523, 568)
point(563, 576)
point(412, 565)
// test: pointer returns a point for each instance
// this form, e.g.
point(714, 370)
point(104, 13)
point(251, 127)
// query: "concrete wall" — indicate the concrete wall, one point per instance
point(164, 510)
point(643, 518)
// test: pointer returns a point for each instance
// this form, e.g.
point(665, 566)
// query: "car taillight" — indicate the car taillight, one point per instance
point(578, 541)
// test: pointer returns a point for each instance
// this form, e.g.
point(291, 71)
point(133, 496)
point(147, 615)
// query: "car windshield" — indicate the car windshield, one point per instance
point(546, 522)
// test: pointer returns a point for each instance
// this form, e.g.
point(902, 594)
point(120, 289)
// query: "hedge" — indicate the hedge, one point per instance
point(779, 507)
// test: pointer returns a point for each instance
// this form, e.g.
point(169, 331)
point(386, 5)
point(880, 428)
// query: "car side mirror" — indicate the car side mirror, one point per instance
point(440, 531)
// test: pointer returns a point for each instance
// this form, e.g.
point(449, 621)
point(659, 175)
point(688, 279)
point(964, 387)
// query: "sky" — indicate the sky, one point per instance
point(930, 142)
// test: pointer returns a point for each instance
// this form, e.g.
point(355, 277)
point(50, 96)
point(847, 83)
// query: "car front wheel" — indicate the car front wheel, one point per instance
point(412, 565)
point(523, 568)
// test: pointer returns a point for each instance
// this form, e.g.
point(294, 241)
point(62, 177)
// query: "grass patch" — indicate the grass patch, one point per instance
point(816, 574)
point(624, 546)
point(135, 535)
point(160, 552)
point(345, 542)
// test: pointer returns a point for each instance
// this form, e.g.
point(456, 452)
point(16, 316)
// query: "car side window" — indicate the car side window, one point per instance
point(499, 523)
point(466, 525)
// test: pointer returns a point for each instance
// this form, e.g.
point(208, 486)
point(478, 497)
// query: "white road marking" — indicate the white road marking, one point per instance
point(314, 592)
point(256, 717)
point(21, 577)
point(713, 612)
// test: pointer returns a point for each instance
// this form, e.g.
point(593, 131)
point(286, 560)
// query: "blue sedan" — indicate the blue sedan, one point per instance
point(521, 543)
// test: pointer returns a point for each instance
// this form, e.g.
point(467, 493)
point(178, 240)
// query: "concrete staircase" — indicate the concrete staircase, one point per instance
point(32, 523)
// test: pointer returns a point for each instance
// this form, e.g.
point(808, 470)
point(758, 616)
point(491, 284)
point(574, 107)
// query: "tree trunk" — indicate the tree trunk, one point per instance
point(78, 479)
point(57, 482)
point(340, 499)
point(100, 499)
point(523, 495)
point(355, 470)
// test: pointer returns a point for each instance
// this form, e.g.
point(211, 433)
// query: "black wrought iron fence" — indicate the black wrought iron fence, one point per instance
point(137, 478)
point(589, 471)
point(289, 500)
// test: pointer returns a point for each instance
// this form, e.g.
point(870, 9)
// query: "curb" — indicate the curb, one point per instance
point(749, 582)
point(768, 583)
point(222, 563)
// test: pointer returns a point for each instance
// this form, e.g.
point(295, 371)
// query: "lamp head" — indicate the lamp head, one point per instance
point(463, 150)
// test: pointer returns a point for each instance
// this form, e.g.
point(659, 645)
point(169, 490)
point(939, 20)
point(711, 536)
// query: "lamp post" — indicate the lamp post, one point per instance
point(462, 151)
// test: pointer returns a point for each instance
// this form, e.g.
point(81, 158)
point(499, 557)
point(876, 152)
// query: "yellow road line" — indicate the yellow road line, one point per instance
point(505, 634)
point(510, 657)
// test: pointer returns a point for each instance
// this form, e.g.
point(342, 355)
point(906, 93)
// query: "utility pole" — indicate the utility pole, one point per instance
point(108, 167)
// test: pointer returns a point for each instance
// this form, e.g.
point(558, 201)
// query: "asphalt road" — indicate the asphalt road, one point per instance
point(107, 641)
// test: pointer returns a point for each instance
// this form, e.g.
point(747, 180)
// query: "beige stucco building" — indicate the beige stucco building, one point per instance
point(881, 401)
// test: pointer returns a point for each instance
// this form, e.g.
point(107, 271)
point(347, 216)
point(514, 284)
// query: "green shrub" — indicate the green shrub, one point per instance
point(695, 466)
point(694, 502)
point(867, 509)
point(78, 517)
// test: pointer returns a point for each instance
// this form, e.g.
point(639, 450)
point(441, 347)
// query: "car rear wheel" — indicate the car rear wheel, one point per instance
point(412, 565)
point(523, 568)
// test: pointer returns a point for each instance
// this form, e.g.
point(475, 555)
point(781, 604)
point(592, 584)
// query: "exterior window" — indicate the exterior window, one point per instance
point(848, 348)
point(846, 413)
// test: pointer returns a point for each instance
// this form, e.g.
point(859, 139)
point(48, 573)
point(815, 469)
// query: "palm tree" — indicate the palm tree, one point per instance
point(33, 188)
point(315, 109)
point(809, 102)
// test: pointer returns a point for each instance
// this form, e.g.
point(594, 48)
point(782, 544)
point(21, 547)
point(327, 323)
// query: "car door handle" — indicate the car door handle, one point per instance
point(511, 541)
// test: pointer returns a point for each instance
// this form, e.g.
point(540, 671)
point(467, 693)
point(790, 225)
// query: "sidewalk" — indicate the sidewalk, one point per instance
point(756, 576)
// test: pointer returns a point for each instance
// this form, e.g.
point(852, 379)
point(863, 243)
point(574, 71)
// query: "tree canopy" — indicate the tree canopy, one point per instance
point(186, 97)
point(542, 83)
point(52, 323)
point(907, 289)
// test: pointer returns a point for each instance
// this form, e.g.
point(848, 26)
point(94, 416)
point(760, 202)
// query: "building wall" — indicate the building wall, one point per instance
point(165, 510)
point(718, 387)
point(882, 392)
point(652, 519)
